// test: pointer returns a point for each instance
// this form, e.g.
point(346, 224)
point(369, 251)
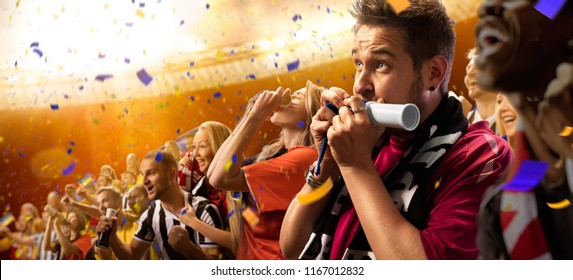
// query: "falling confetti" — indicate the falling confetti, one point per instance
point(103, 77)
point(158, 157)
point(231, 214)
point(216, 95)
point(317, 194)
point(293, 65)
point(251, 217)
point(228, 165)
point(68, 170)
point(251, 77)
point(567, 130)
point(55, 107)
point(39, 52)
point(549, 8)
point(69, 151)
point(559, 205)
point(528, 176)
point(300, 124)
point(296, 17)
point(234, 159)
point(144, 77)
point(184, 211)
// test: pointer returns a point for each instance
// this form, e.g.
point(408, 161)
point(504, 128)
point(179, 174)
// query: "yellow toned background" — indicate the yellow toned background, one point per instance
point(57, 122)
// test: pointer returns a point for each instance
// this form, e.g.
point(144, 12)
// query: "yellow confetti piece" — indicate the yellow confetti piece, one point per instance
point(228, 165)
point(317, 194)
point(177, 91)
point(279, 80)
point(567, 130)
point(140, 13)
point(437, 184)
point(136, 207)
point(559, 205)
point(220, 55)
point(251, 217)
point(1, 139)
point(399, 5)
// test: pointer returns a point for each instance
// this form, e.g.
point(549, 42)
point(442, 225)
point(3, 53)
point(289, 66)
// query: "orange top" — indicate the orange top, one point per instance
point(273, 184)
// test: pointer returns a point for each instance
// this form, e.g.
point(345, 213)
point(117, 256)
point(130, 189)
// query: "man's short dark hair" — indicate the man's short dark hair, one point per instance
point(425, 26)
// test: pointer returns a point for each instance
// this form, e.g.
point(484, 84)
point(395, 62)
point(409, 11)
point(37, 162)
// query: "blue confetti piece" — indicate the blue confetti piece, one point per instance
point(208, 101)
point(178, 130)
point(191, 64)
point(234, 159)
point(129, 24)
point(35, 44)
point(39, 52)
point(327, 10)
point(142, 4)
point(528, 176)
point(237, 195)
point(55, 107)
point(231, 214)
point(217, 94)
point(127, 60)
point(251, 77)
point(207, 6)
point(66, 96)
point(158, 157)
point(144, 77)
point(68, 170)
point(300, 124)
point(81, 87)
point(124, 221)
point(181, 22)
point(126, 111)
point(293, 65)
point(192, 98)
point(21, 155)
point(69, 151)
point(103, 77)
point(296, 17)
point(184, 211)
point(72, 143)
point(549, 8)
point(276, 65)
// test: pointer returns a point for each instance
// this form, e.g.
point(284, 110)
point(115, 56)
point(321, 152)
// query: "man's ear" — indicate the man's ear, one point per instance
point(434, 71)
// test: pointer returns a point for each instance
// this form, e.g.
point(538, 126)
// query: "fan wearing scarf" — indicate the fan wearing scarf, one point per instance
point(525, 49)
point(397, 194)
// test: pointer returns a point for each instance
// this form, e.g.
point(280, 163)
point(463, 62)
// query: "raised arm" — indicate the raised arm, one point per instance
point(90, 210)
point(232, 177)
point(68, 248)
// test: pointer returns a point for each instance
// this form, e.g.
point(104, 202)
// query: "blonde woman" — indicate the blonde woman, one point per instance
point(207, 141)
point(277, 174)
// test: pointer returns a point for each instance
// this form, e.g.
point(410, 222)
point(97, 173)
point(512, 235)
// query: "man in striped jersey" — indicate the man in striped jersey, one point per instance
point(160, 222)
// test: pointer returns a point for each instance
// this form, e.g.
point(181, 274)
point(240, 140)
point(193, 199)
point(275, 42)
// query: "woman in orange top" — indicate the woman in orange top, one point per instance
point(270, 183)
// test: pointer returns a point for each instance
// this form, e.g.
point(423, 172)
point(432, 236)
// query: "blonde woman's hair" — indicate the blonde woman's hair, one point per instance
point(217, 133)
point(108, 167)
point(174, 149)
point(132, 163)
point(312, 105)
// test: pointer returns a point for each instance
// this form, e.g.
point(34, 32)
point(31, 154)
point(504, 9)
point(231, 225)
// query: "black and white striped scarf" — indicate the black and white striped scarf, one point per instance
point(412, 174)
